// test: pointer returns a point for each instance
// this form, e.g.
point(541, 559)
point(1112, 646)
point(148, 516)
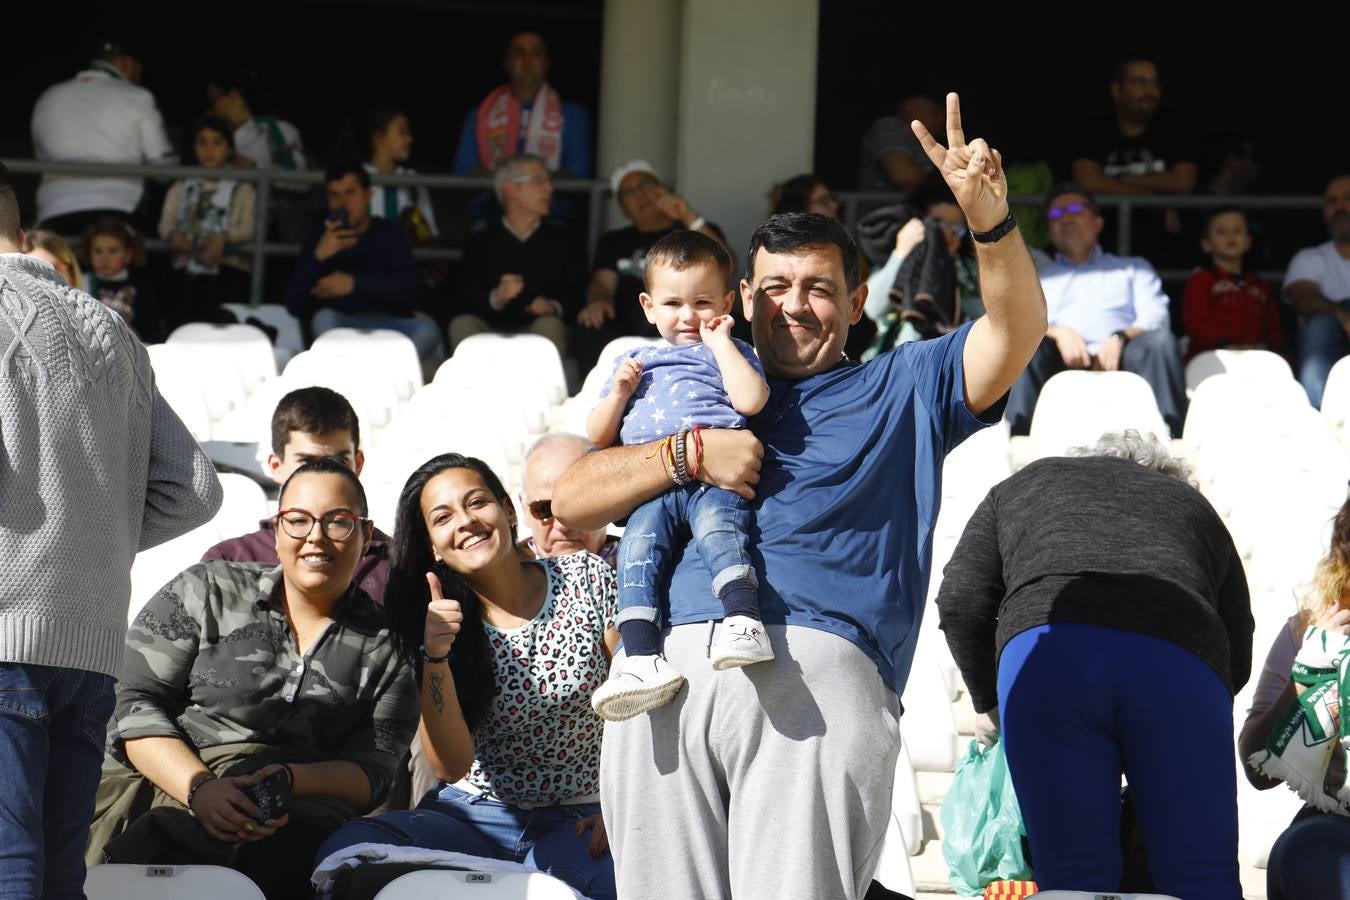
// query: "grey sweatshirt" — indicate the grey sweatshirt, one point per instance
point(94, 466)
point(1095, 541)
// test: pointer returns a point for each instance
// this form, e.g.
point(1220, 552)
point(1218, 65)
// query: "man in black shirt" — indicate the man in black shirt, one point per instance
point(1139, 150)
point(612, 309)
point(520, 273)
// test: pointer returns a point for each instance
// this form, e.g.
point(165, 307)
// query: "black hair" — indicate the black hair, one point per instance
point(216, 124)
point(330, 465)
point(9, 208)
point(794, 195)
point(242, 81)
point(1072, 187)
point(790, 232)
point(406, 595)
point(1221, 211)
point(684, 248)
point(341, 170)
point(313, 410)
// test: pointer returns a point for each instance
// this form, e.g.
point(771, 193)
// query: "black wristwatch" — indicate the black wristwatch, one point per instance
point(998, 231)
point(1123, 335)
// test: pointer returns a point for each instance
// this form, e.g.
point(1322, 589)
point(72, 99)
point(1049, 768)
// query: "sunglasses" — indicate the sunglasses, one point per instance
point(541, 509)
point(1059, 212)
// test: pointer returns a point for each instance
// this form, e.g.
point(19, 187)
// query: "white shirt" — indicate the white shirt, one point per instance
point(1324, 266)
point(1103, 295)
point(97, 116)
point(254, 140)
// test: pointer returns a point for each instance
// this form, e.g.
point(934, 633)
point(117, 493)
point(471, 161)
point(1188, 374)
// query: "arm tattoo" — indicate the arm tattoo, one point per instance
point(437, 680)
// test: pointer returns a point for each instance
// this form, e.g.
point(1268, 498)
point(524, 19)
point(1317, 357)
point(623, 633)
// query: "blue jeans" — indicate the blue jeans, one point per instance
point(719, 522)
point(544, 838)
point(52, 726)
point(425, 335)
point(1311, 859)
point(1081, 704)
point(1321, 342)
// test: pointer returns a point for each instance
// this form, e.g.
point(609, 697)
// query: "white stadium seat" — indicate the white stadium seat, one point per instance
point(1076, 408)
point(470, 885)
point(1260, 364)
point(389, 353)
point(137, 882)
point(1336, 400)
point(290, 339)
point(243, 348)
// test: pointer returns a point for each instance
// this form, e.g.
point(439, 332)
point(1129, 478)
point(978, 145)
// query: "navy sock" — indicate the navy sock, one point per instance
point(740, 598)
point(640, 637)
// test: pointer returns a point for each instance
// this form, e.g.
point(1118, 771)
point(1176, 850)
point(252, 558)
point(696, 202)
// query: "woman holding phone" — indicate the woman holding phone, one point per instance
point(507, 653)
point(246, 685)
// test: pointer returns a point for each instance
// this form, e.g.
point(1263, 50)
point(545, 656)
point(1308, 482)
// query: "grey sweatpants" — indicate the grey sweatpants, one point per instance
point(773, 780)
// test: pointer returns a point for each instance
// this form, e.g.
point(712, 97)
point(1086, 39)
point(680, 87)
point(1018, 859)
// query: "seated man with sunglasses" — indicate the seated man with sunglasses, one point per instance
point(1106, 313)
point(545, 461)
point(237, 671)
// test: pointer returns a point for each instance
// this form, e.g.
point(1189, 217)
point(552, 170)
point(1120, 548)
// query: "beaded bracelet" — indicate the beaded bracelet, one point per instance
point(196, 785)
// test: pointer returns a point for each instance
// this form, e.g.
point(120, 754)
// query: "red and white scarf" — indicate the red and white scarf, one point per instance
point(498, 127)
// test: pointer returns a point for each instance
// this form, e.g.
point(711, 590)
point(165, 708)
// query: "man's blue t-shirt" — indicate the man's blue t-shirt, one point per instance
point(681, 386)
point(847, 498)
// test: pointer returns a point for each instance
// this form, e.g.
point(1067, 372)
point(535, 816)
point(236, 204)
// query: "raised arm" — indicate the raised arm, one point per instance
point(446, 739)
point(1002, 342)
point(746, 388)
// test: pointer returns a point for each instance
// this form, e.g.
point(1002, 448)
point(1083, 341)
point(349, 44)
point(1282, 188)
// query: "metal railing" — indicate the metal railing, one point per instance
point(1124, 206)
point(260, 249)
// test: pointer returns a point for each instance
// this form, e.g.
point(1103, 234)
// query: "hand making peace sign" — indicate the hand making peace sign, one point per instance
point(973, 171)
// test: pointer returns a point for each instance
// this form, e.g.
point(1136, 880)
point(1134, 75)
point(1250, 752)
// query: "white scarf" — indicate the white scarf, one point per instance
point(202, 216)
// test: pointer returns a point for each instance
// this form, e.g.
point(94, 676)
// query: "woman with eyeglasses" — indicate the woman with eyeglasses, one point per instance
point(507, 654)
point(235, 672)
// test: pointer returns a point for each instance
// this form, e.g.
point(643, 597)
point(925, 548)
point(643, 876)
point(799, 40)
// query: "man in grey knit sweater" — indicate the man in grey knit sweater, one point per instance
point(94, 467)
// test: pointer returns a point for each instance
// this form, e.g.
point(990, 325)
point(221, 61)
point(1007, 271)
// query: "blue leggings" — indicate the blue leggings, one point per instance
point(1080, 705)
point(1311, 860)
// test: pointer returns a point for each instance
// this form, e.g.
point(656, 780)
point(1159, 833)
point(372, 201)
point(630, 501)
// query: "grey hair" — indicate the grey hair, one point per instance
point(553, 438)
point(1144, 449)
point(510, 168)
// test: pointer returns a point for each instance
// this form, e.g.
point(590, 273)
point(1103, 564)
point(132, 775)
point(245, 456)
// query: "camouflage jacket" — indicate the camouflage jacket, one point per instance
point(211, 659)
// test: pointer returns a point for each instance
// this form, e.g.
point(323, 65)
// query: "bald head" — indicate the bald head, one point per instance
point(545, 462)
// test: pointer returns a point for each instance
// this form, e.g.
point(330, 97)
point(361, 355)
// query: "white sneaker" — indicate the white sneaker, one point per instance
point(742, 641)
point(635, 685)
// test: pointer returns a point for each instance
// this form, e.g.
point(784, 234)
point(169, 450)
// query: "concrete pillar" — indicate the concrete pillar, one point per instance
point(639, 85)
point(747, 105)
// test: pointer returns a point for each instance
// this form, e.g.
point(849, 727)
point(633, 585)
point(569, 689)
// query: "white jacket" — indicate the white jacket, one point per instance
point(97, 116)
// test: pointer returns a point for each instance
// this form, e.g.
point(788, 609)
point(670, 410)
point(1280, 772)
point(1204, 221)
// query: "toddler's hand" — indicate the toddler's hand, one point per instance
point(627, 378)
point(716, 331)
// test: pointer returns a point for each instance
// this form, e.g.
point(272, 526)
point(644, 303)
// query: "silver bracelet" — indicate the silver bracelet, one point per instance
point(681, 468)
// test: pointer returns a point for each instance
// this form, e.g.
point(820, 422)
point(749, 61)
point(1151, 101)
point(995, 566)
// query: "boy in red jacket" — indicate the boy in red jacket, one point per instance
point(1222, 306)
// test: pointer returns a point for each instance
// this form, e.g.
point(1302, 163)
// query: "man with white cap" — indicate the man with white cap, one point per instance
point(612, 309)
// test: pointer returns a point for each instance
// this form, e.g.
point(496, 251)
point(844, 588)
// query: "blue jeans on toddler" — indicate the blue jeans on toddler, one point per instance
point(719, 522)
point(544, 838)
point(53, 722)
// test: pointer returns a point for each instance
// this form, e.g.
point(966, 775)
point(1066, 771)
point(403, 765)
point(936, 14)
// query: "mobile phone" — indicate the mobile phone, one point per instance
point(272, 796)
point(339, 216)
